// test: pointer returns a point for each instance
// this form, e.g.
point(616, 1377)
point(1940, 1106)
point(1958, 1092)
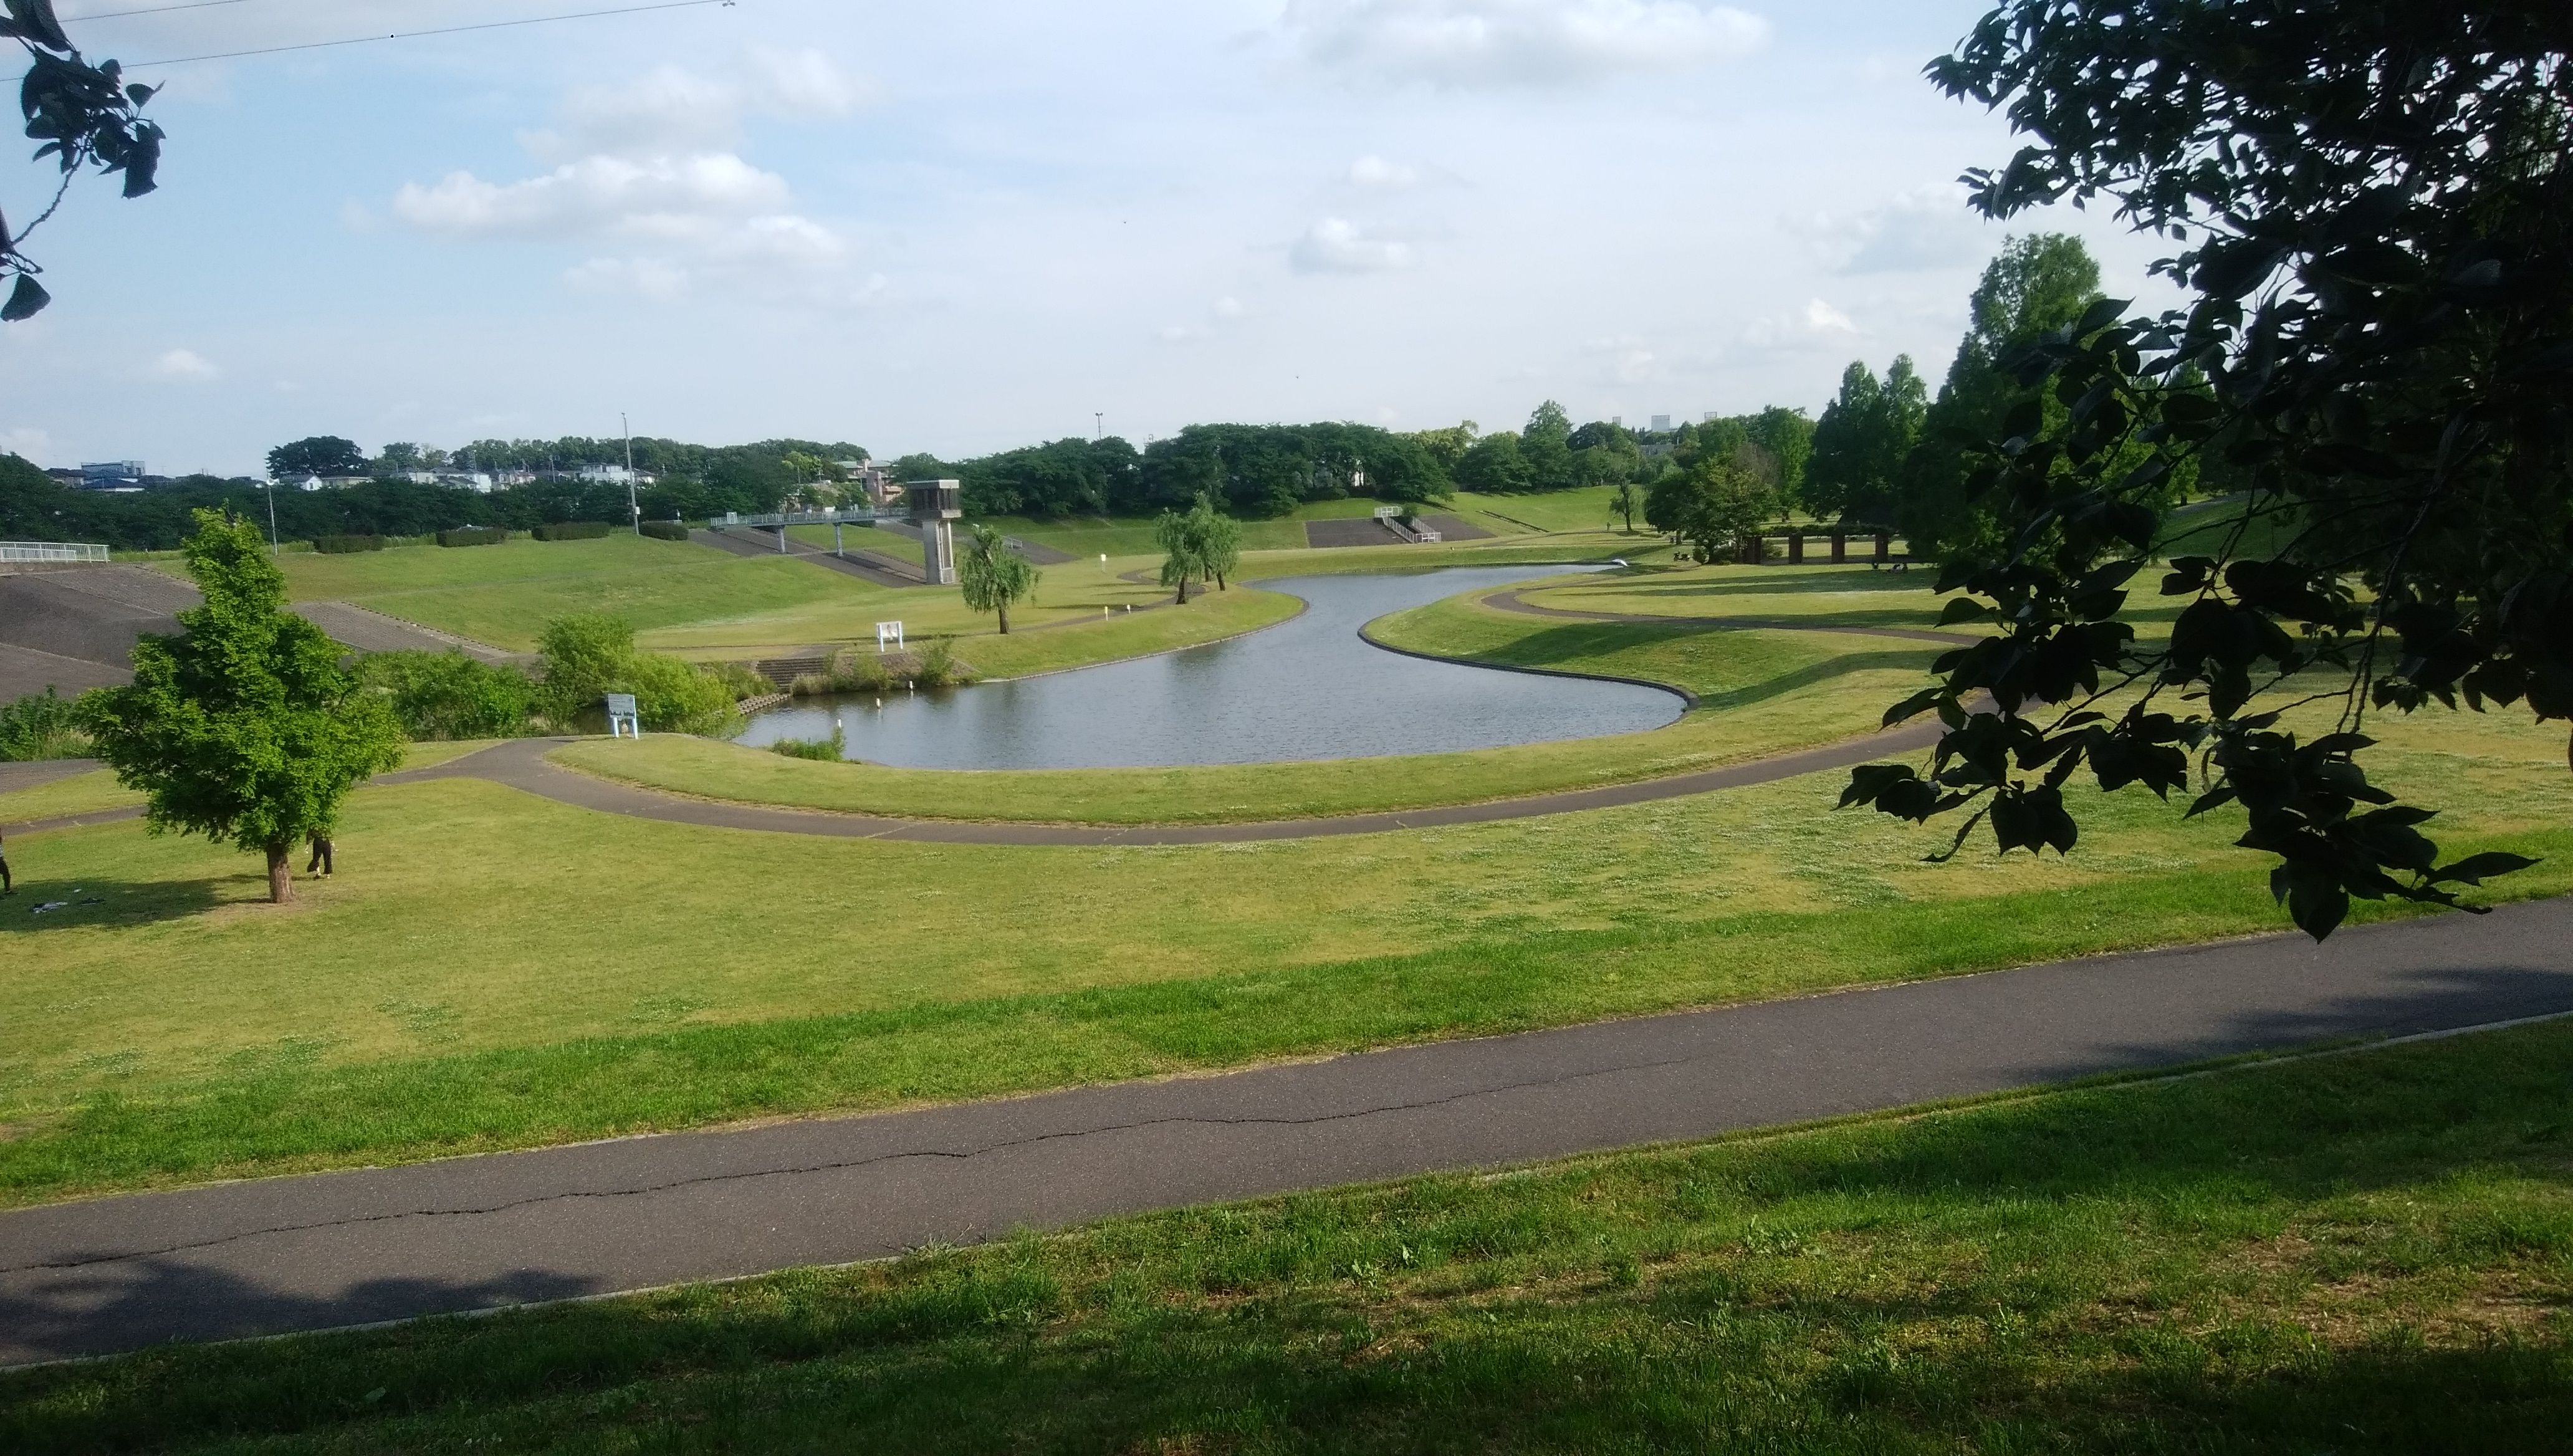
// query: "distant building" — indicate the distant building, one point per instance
point(478, 481)
point(615, 474)
point(878, 483)
point(111, 475)
point(1661, 423)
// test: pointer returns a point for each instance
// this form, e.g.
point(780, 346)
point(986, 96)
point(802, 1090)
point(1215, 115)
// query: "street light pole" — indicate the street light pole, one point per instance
point(272, 517)
point(634, 507)
point(1099, 424)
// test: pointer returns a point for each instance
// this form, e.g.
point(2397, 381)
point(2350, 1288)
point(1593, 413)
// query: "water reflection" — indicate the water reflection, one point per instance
point(1310, 688)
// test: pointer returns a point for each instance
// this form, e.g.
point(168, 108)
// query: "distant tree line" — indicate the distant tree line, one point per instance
point(1263, 470)
point(691, 482)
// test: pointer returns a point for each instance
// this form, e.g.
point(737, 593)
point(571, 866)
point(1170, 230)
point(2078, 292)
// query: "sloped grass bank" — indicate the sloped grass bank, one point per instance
point(2367, 1253)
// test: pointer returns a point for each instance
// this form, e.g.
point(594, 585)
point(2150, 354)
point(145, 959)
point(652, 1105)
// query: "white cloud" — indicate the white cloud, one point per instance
point(1479, 42)
point(1376, 172)
point(651, 167)
point(1336, 244)
point(805, 85)
point(1817, 324)
point(594, 193)
point(1228, 307)
point(1926, 229)
point(183, 363)
point(26, 442)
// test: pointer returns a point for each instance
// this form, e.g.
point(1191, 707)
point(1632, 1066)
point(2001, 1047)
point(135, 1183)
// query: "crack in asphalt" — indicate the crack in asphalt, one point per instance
point(836, 1165)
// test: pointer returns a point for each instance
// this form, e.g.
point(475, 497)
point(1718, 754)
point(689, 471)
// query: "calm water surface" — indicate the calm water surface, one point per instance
point(1305, 689)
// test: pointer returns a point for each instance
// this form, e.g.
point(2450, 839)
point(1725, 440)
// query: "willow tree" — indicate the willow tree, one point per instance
point(243, 727)
point(993, 575)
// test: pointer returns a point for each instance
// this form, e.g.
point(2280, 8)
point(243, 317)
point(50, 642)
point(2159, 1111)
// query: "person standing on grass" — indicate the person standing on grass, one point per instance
point(6, 887)
point(320, 856)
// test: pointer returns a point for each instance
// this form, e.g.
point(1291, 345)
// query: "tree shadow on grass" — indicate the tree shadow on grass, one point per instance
point(99, 901)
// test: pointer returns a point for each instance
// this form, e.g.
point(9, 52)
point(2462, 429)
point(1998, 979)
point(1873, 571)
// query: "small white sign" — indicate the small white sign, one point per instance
point(888, 633)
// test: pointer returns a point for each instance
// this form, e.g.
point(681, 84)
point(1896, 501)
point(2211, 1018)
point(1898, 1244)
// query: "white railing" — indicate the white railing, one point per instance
point(50, 552)
point(844, 515)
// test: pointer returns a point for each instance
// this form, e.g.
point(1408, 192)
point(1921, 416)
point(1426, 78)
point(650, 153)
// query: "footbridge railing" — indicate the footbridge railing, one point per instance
point(49, 552)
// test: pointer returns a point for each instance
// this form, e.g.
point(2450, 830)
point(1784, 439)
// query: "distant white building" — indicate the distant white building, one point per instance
point(475, 481)
point(615, 474)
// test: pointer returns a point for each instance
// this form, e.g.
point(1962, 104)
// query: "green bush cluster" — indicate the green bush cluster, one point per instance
point(821, 750)
point(860, 670)
point(41, 726)
point(667, 531)
point(589, 655)
point(348, 545)
point(572, 530)
point(473, 536)
point(449, 695)
point(437, 696)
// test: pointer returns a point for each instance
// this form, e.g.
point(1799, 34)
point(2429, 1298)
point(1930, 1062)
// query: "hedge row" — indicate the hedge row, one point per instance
point(473, 536)
point(572, 530)
point(667, 531)
point(348, 545)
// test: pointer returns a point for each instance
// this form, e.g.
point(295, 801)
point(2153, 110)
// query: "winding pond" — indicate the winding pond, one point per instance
point(1308, 688)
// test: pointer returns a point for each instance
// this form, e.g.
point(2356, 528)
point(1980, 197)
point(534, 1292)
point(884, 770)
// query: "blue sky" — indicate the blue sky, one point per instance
point(971, 224)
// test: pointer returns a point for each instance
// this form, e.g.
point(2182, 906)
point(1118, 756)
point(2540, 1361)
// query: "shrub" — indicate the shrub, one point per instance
point(451, 695)
point(823, 750)
point(667, 531)
point(739, 679)
point(589, 655)
point(572, 530)
point(348, 545)
point(473, 536)
point(40, 726)
point(813, 685)
point(941, 667)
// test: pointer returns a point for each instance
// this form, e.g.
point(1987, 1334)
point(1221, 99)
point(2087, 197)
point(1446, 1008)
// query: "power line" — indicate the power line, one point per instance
point(149, 10)
point(442, 30)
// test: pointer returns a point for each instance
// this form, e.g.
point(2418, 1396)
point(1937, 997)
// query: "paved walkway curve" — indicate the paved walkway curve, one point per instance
point(330, 1249)
point(1512, 601)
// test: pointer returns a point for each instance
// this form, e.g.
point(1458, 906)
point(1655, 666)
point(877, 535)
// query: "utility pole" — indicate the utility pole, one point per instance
point(272, 517)
point(632, 506)
point(1098, 425)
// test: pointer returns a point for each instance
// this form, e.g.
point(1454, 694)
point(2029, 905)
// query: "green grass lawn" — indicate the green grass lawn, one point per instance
point(2365, 1253)
point(624, 974)
point(90, 792)
point(1585, 509)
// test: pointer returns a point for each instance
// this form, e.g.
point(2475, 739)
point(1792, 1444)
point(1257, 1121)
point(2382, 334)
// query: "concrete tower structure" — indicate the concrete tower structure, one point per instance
point(935, 505)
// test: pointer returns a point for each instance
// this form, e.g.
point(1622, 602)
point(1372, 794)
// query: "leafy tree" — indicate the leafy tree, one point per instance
point(1862, 440)
point(1218, 541)
point(399, 456)
point(447, 695)
point(1625, 501)
point(320, 455)
point(243, 727)
point(993, 575)
point(1546, 447)
point(1180, 546)
point(85, 114)
point(2035, 286)
point(2370, 201)
point(1494, 467)
point(1447, 446)
point(1787, 437)
point(1718, 504)
point(589, 655)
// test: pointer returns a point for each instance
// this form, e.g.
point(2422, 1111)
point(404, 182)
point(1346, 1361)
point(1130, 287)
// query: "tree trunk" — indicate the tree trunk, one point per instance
point(1005, 619)
point(1183, 588)
point(281, 876)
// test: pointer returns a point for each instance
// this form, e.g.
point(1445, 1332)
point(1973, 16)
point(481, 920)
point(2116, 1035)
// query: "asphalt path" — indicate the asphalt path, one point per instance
point(1512, 601)
point(332, 1249)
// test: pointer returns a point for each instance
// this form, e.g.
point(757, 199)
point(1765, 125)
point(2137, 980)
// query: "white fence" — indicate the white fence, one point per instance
point(50, 552)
